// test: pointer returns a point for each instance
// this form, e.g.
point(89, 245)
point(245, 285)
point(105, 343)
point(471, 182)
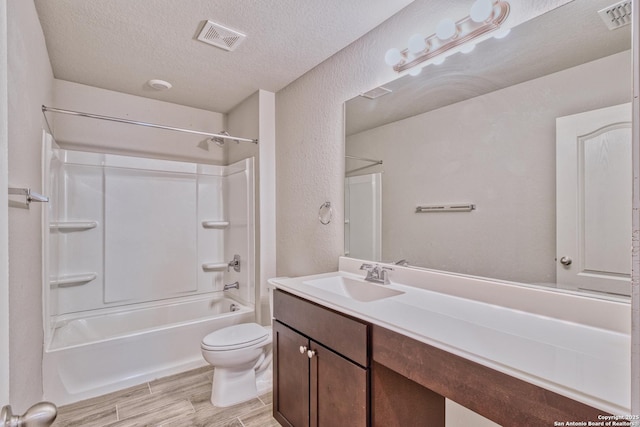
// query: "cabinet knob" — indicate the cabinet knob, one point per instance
point(303, 349)
point(311, 353)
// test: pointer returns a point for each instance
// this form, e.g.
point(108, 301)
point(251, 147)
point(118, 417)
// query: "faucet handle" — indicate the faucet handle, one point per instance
point(366, 267)
point(384, 274)
point(234, 263)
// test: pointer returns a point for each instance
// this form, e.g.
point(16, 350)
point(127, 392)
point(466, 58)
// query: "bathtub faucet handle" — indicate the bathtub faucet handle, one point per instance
point(234, 263)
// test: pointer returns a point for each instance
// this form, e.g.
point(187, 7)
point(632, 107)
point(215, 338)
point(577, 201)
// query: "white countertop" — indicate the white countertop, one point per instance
point(585, 363)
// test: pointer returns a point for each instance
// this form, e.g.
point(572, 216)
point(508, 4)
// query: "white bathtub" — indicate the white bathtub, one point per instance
point(97, 354)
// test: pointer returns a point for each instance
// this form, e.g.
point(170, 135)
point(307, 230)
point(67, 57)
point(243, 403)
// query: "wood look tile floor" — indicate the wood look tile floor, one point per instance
point(180, 400)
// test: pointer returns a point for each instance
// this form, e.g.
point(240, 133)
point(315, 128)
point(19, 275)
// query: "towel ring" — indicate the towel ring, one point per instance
point(325, 214)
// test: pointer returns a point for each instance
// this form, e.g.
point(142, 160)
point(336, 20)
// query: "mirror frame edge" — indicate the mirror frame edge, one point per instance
point(635, 257)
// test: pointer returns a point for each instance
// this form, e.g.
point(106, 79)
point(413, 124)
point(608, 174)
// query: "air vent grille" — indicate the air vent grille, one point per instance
point(220, 36)
point(376, 92)
point(617, 15)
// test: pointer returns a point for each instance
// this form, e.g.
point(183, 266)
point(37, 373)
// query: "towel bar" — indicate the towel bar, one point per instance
point(30, 196)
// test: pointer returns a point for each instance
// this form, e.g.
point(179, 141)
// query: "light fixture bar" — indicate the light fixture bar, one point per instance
point(466, 30)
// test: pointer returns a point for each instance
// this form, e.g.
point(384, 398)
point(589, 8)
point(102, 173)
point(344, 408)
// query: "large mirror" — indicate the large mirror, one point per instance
point(511, 162)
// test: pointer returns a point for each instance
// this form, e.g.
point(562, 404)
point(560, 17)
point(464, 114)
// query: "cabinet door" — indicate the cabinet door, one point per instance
point(338, 390)
point(290, 377)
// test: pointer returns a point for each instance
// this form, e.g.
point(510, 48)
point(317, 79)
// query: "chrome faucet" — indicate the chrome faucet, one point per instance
point(234, 263)
point(234, 285)
point(376, 273)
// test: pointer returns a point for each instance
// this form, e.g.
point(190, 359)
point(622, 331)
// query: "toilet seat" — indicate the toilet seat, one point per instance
point(235, 337)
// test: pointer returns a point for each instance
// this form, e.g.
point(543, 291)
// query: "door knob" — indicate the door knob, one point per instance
point(566, 261)
point(311, 353)
point(303, 349)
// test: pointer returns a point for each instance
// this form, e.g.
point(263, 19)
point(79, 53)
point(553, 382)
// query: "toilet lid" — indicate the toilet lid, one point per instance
point(236, 336)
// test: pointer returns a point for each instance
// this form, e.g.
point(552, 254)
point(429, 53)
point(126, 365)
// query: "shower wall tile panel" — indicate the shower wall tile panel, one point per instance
point(80, 199)
point(149, 242)
point(150, 234)
point(210, 240)
point(239, 237)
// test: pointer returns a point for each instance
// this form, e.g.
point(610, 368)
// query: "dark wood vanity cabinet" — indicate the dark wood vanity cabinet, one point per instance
point(321, 365)
point(358, 374)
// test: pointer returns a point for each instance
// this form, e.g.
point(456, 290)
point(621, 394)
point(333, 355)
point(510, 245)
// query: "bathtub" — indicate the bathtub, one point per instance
point(101, 353)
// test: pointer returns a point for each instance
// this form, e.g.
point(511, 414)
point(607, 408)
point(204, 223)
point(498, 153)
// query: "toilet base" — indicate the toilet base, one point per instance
point(264, 381)
point(232, 386)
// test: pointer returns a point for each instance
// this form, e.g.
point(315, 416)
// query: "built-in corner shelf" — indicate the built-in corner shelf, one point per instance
point(73, 225)
point(215, 224)
point(214, 266)
point(72, 279)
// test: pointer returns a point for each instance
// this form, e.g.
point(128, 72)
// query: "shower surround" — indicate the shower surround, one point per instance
point(136, 258)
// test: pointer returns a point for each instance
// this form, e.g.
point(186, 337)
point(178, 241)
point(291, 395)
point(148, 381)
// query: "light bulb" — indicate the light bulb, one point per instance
point(481, 10)
point(501, 33)
point(416, 44)
point(415, 71)
point(393, 57)
point(467, 48)
point(446, 29)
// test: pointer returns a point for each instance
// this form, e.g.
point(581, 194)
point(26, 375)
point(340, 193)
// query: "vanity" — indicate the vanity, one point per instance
point(350, 352)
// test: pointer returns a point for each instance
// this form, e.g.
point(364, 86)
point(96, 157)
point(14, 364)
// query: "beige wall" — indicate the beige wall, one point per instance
point(30, 82)
point(4, 242)
point(81, 133)
point(497, 151)
point(309, 158)
point(310, 124)
point(255, 118)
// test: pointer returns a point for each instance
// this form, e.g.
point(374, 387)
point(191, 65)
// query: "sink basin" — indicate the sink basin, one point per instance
point(358, 290)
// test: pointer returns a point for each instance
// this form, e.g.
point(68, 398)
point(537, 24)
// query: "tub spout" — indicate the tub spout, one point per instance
point(234, 285)
point(234, 263)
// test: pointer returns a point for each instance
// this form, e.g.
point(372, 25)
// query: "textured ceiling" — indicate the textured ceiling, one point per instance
point(121, 44)
point(568, 36)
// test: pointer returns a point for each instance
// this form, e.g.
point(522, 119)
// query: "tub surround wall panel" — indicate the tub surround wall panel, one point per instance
point(211, 241)
point(29, 84)
point(239, 239)
point(120, 197)
point(137, 268)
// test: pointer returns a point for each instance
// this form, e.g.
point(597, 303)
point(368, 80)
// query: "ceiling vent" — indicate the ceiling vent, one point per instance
point(617, 15)
point(220, 36)
point(376, 92)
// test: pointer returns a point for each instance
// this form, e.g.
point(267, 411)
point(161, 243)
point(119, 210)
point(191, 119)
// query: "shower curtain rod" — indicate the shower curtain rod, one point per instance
point(152, 125)
point(377, 162)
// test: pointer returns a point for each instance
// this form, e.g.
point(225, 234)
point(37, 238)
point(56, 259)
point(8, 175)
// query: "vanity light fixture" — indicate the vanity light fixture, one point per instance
point(485, 17)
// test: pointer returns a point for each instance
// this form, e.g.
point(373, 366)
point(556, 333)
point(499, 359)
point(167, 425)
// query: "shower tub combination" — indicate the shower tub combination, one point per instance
point(136, 256)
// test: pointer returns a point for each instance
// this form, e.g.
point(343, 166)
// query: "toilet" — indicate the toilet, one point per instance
point(241, 357)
